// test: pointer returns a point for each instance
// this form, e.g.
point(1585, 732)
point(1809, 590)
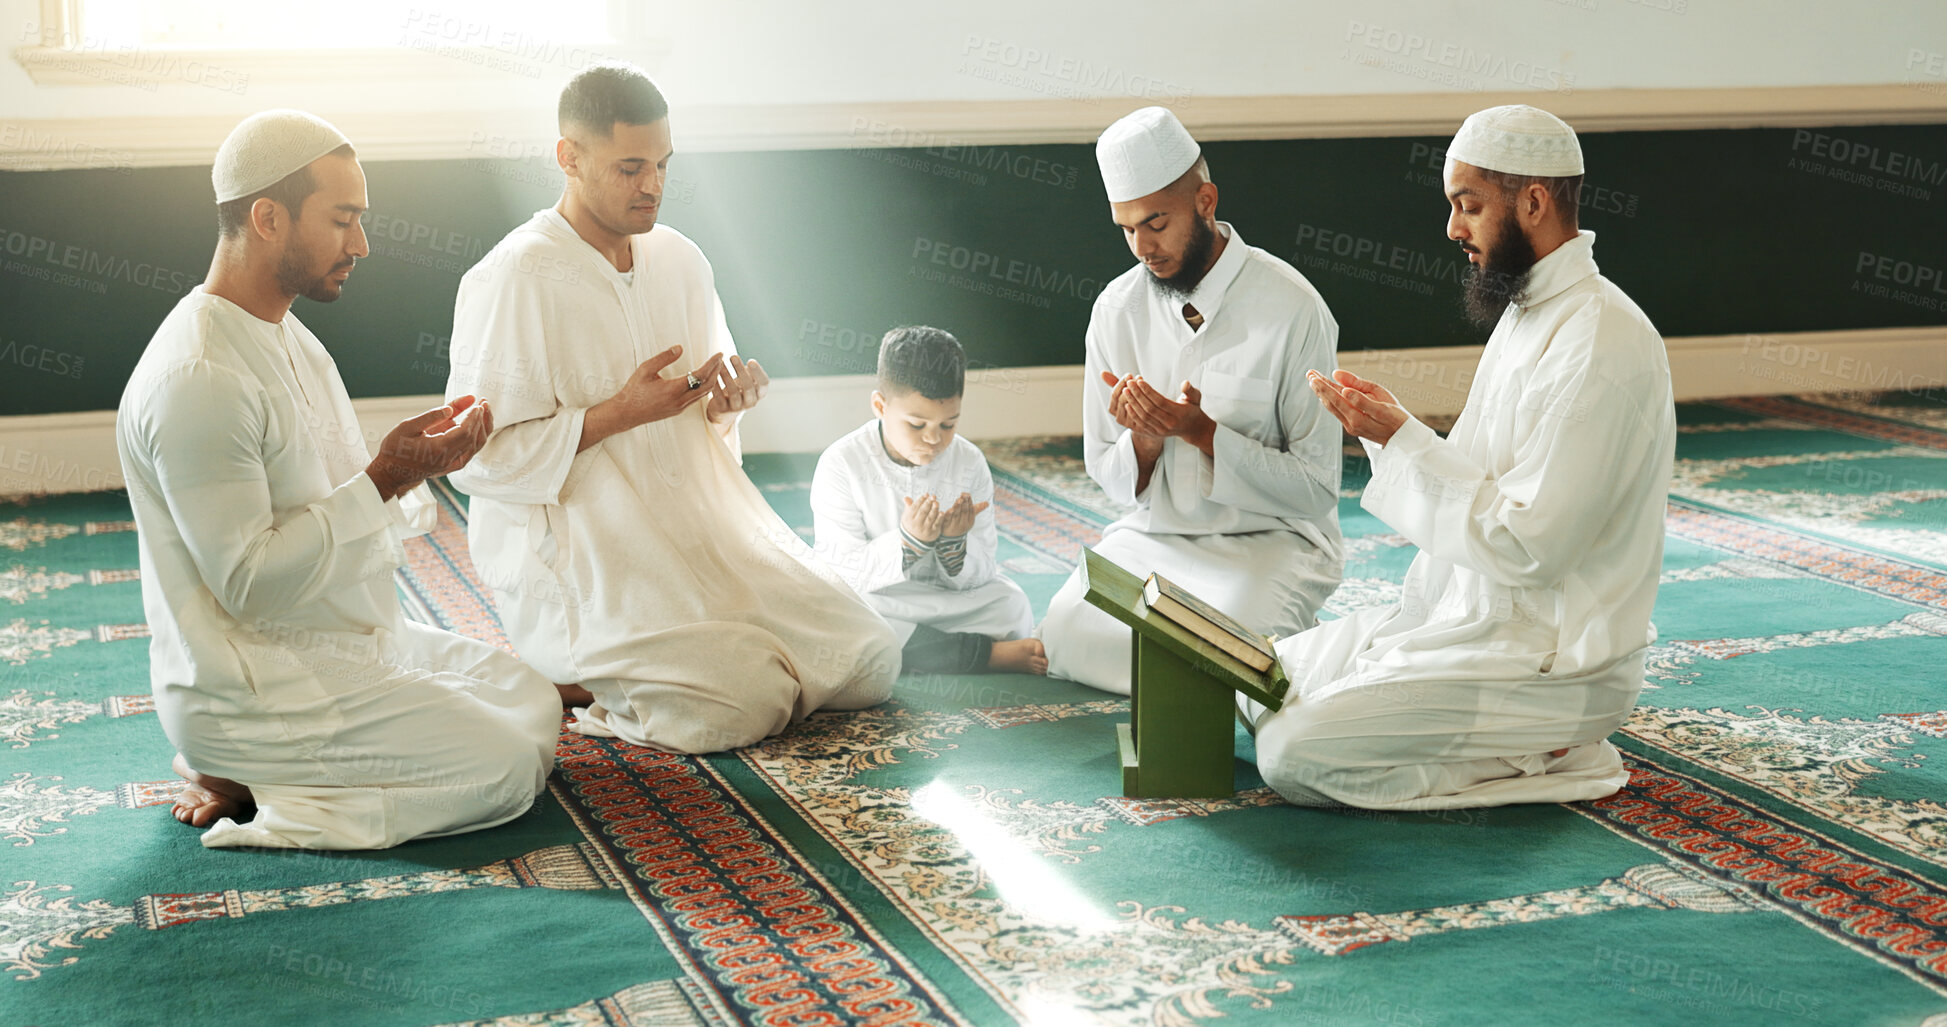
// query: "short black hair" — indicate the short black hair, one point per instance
point(603, 94)
point(922, 359)
point(1565, 190)
point(291, 191)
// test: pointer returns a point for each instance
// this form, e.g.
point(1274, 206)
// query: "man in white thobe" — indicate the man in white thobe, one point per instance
point(626, 549)
point(1235, 481)
point(1518, 644)
point(284, 672)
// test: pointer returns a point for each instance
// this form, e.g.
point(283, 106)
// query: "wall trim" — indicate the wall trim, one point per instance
point(527, 131)
point(75, 452)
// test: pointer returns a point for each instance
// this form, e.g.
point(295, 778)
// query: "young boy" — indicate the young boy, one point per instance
point(900, 508)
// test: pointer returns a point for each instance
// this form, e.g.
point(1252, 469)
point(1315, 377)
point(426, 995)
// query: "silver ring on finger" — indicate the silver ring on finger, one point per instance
point(694, 381)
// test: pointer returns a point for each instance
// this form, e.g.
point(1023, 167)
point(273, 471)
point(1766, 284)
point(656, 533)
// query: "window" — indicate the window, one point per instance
point(232, 42)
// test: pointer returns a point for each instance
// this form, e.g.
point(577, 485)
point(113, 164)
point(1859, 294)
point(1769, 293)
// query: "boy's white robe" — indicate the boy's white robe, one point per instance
point(279, 655)
point(647, 567)
point(858, 496)
point(1527, 612)
point(1253, 528)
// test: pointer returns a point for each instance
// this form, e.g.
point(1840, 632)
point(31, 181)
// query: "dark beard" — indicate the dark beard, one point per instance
point(1196, 261)
point(291, 279)
point(1501, 276)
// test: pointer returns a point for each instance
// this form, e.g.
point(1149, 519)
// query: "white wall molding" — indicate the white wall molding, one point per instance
point(407, 134)
point(76, 452)
point(1434, 380)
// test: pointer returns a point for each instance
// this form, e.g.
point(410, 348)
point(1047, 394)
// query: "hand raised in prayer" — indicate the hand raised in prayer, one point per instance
point(1148, 447)
point(959, 519)
point(648, 396)
point(428, 445)
point(1137, 406)
point(922, 518)
point(737, 389)
point(1366, 409)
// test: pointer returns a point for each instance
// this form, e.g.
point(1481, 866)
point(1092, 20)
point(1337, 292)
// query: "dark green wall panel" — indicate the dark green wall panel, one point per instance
point(817, 252)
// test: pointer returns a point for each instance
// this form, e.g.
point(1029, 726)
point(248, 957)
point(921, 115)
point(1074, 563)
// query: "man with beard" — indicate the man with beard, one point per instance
point(626, 549)
point(1518, 644)
point(1233, 472)
point(284, 672)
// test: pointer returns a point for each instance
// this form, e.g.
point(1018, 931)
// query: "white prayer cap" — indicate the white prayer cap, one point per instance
point(268, 146)
point(1518, 140)
point(1144, 152)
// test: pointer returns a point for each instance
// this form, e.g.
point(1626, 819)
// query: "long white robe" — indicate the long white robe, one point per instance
point(647, 567)
point(1526, 614)
point(1252, 528)
point(280, 657)
point(858, 495)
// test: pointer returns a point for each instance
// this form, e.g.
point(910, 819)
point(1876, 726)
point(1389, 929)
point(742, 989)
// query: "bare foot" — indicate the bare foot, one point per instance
point(575, 695)
point(1021, 656)
point(207, 798)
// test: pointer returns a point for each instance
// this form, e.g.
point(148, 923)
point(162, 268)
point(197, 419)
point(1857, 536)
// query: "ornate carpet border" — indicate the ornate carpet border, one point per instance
point(1845, 421)
point(1028, 515)
point(439, 578)
point(765, 934)
point(1859, 569)
point(1888, 914)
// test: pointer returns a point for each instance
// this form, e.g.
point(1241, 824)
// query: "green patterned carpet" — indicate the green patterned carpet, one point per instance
point(959, 855)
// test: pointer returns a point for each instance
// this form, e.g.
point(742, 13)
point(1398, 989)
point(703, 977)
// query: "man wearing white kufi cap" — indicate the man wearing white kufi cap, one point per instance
point(1518, 646)
point(1195, 411)
point(284, 672)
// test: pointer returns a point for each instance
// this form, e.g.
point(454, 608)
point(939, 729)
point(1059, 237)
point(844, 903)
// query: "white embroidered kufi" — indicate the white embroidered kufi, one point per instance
point(268, 146)
point(1518, 140)
point(1143, 152)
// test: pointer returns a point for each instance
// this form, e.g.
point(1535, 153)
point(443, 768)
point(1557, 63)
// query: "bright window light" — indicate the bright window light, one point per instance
point(504, 25)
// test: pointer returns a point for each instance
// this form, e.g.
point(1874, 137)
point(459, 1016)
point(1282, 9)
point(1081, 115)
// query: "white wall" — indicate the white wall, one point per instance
point(710, 52)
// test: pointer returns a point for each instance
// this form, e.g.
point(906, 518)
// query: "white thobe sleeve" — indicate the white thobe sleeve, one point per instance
point(204, 429)
point(500, 354)
point(416, 512)
point(1527, 527)
point(721, 342)
point(983, 540)
point(839, 531)
point(1108, 450)
point(1301, 479)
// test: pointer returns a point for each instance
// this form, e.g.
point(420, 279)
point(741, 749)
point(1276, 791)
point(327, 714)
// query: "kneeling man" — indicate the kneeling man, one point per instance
point(1518, 645)
point(284, 672)
point(1235, 480)
point(626, 548)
